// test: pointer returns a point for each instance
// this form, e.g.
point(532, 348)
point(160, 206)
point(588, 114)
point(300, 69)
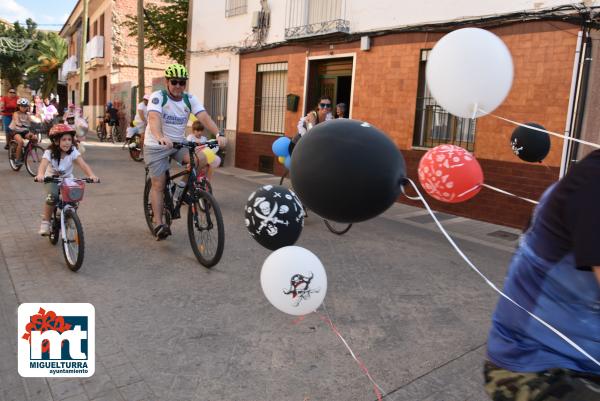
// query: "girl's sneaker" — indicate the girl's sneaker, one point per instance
point(44, 228)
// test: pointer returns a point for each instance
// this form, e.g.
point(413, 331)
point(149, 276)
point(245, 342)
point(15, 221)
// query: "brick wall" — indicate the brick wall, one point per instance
point(525, 180)
point(385, 90)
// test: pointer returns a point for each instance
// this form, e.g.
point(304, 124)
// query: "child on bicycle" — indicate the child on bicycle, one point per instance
point(204, 155)
point(20, 125)
point(58, 160)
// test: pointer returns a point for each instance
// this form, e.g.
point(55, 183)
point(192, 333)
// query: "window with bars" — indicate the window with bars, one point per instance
point(235, 7)
point(433, 124)
point(270, 100)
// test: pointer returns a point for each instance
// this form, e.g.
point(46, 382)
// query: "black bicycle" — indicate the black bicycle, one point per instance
point(64, 221)
point(100, 128)
point(135, 146)
point(206, 230)
point(334, 227)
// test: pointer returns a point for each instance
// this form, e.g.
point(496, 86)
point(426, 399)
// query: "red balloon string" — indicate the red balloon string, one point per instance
point(376, 388)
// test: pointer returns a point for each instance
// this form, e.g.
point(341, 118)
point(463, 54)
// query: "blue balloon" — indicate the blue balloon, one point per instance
point(281, 146)
point(288, 162)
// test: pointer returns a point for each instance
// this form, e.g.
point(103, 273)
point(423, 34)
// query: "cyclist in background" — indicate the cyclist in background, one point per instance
point(19, 126)
point(112, 119)
point(9, 106)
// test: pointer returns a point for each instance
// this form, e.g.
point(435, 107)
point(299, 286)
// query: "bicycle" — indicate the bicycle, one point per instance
point(334, 227)
point(204, 213)
point(31, 155)
point(101, 129)
point(135, 146)
point(64, 221)
point(115, 133)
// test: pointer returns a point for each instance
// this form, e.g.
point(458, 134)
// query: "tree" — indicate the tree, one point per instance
point(165, 28)
point(12, 63)
point(52, 52)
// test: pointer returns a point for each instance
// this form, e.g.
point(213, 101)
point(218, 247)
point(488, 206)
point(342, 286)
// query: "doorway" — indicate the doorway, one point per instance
point(216, 97)
point(330, 77)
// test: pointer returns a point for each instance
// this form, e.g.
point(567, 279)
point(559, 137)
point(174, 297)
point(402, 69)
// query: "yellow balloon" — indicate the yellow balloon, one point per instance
point(210, 155)
point(281, 159)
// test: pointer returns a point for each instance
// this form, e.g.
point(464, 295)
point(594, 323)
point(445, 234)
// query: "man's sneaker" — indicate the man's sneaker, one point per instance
point(161, 232)
point(18, 162)
point(44, 228)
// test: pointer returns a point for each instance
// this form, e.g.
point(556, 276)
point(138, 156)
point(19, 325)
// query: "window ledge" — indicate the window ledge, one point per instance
point(266, 133)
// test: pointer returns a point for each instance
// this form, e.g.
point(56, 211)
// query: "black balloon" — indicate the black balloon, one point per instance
point(347, 170)
point(274, 216)
point(530, 145)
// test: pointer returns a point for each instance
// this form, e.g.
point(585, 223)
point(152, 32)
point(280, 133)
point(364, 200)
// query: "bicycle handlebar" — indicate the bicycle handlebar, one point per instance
point(211, 143)
point(59, 180)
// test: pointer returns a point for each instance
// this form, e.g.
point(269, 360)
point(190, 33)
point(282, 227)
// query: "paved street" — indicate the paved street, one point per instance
point(170, 330)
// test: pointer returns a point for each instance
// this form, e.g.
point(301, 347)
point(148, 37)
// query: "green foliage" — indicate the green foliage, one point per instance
point(165, 28)
point(12, 63)
point(51, 54)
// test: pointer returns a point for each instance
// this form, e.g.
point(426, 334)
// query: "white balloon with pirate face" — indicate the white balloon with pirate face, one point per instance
point(294, 280)
point(274, 216)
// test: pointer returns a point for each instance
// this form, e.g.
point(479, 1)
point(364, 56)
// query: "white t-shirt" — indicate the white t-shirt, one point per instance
point(64, 168)
point(174, 117)
point(191, 138)
point(138, 121)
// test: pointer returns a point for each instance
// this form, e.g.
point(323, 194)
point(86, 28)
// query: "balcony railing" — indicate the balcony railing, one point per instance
point(70, 65)
point(315, 17)
point(94, 48)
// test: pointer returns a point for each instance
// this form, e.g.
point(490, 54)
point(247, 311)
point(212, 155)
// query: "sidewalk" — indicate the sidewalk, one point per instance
point(492, 235)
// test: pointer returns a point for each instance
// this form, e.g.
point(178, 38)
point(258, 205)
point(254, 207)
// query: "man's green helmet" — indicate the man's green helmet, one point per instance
point(176, 71)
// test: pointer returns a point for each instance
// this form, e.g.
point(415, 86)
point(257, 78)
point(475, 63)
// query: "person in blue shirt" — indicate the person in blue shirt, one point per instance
point(554, 274)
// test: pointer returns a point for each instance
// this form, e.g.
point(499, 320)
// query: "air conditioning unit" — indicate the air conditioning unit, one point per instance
point(256, 19)
point(260, 19)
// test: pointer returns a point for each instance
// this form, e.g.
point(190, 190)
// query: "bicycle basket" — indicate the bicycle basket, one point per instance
point(72, 190)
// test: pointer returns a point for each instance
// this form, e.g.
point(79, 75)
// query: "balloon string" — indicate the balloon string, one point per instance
point(595, 145)
point(376, 388)
point(508, 193)
point(493, 286)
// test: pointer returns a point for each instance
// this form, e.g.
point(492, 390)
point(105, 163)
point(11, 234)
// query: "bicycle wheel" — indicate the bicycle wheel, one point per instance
point(33, 158)
point(100, 132)
point(12, 156)
point(149, 213)
point(204, 217)
point(337, 228)
point(136, 152)
point(73, 244)
point(54, 227)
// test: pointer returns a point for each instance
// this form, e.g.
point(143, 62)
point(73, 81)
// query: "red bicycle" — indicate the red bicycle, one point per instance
point(31, 155)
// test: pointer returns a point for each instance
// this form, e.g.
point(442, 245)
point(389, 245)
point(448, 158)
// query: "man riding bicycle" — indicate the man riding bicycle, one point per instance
point(168, 115)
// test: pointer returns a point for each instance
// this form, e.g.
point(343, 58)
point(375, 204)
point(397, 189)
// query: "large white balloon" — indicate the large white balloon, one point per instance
point(294, 280)
point(469, 69)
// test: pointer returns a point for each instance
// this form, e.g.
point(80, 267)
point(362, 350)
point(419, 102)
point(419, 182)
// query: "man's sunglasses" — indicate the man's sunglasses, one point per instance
point(325, 105)
point(180, 82)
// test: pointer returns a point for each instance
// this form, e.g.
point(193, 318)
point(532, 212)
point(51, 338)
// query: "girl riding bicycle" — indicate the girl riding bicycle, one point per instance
point(58, 160)
point(19, 126)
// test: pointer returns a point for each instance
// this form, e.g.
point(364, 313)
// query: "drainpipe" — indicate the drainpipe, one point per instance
point(580, 77)
point(84, 27)
point(585, 77)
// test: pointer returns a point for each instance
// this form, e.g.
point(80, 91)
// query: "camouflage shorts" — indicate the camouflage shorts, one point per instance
point(549, 385)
